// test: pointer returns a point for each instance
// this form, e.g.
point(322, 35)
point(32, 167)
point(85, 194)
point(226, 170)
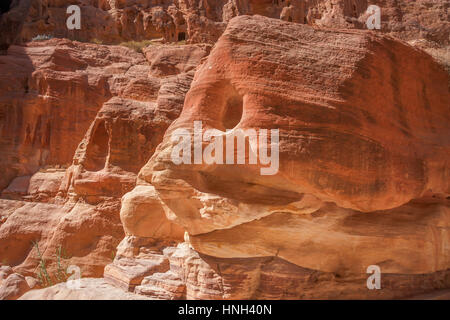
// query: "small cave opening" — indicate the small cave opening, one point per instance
point(97, 150)
point(5, 6)
point(290, 19)
point(181, 36)
point(233, 111)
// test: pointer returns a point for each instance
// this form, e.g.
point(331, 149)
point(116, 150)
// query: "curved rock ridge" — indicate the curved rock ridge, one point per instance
point(13, 14)
point(363, 131)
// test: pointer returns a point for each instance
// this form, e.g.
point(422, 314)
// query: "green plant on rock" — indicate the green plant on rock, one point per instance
point(42, 274)
point(42, 37)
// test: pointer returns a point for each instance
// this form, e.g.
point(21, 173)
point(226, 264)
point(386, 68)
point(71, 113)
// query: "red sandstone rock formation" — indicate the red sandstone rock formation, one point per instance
point(12, 286)
point(363, 175)
point(53, 94)
point(364, 152)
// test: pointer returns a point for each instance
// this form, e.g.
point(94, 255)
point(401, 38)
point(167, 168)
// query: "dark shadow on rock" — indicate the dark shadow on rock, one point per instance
point(12, 17)
point(16, 69)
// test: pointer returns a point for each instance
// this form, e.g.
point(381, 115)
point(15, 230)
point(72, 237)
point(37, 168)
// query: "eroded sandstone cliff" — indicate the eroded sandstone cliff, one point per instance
point(78, 122)
point(88, 177)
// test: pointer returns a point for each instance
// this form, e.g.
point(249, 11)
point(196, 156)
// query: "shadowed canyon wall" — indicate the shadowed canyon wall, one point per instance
point(205, 20)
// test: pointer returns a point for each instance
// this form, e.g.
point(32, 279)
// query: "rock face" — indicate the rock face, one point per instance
point(328, 209)
point(356, 175)
point(50, 93)
point(334, 98)
point(70, 83)
point(78, 122)
point(183, 273)
point(13, 287)
point(12, 16)
point(112, 21)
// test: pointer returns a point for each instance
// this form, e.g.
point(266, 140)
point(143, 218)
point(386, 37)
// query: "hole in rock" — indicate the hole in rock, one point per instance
point(181, 36)
point(233, 110)
point(97, 150)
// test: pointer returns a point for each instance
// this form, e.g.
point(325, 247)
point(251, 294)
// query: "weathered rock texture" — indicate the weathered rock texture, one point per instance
point(364, 152)
point(13, 286)
point(364, 161)
point(90, 289)
point(78, 122)
point(182, 273)
point(13, 14)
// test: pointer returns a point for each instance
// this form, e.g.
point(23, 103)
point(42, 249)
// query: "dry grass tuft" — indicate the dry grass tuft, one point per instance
point(137, 45)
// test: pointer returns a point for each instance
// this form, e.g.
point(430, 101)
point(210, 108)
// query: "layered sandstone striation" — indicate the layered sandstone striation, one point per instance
point(359, 175)
point(113, 21)
point(363, 165)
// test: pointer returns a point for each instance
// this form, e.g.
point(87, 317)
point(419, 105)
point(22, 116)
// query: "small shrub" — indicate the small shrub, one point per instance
point(137, 45)
point(42, 37)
